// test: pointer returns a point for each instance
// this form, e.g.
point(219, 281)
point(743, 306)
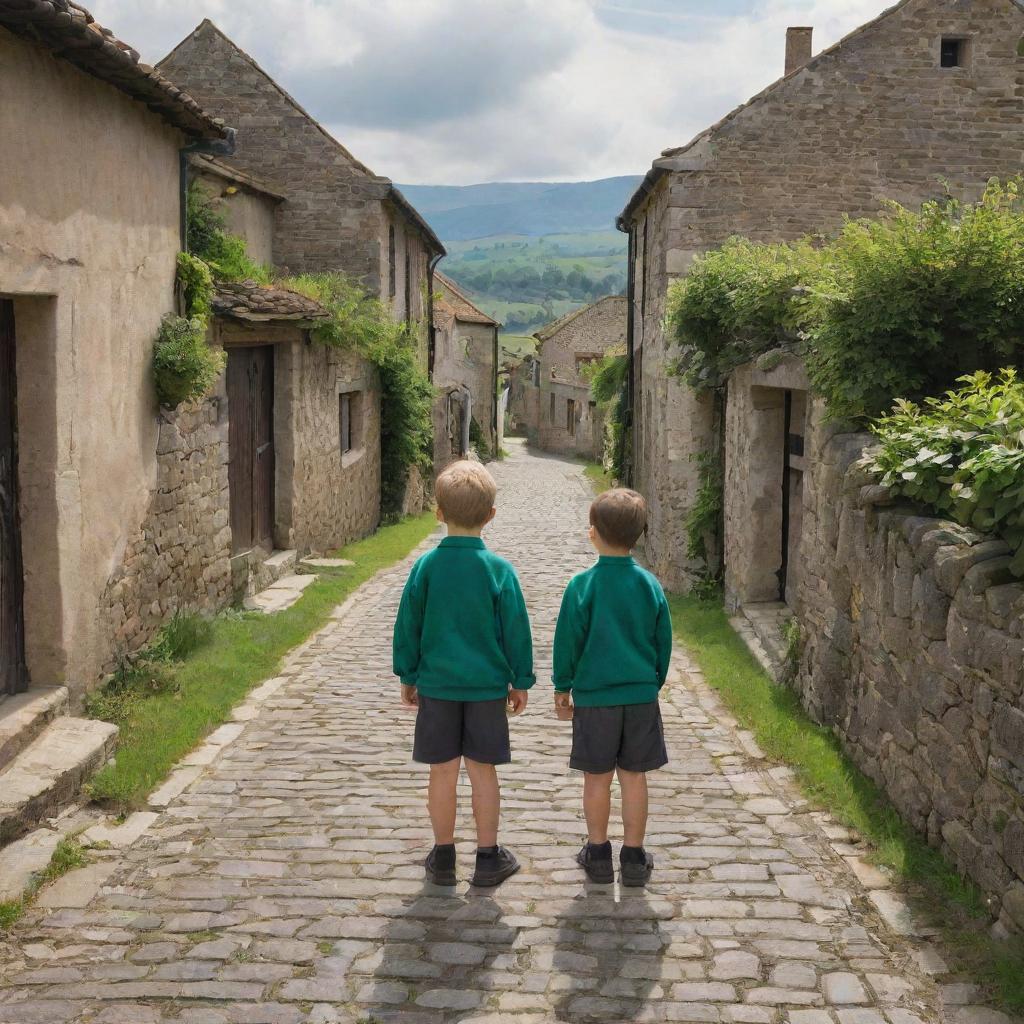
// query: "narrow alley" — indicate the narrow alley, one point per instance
point(284, 884)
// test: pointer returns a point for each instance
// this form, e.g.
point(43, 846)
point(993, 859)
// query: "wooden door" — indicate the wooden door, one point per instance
point(250, 381)
point(13, 673)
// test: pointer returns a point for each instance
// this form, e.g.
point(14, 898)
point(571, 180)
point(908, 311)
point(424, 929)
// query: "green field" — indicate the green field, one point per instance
point(526, 282)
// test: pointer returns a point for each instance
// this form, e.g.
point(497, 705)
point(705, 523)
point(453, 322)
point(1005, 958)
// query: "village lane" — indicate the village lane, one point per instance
point(284, 884)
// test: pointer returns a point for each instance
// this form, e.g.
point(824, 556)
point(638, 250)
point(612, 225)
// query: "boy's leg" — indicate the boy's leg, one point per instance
point(634, 806)
point(597, 805)
point(442, 800)
point(486, 801)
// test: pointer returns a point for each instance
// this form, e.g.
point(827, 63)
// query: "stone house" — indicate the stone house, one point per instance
point(928, 93)
point(550, 397)
point(465, 373)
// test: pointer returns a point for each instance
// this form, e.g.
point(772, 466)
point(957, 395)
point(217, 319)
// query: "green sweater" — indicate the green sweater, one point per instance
point(613, 640)
point(462, 631)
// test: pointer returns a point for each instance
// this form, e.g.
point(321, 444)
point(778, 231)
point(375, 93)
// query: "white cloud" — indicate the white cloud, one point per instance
point(456, 91)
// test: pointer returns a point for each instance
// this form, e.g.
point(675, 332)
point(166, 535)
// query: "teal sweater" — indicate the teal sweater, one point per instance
point(462, 631)
point(613, 641)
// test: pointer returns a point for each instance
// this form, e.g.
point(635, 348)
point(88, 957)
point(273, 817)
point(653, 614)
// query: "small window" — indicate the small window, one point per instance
point(952, 53)
point(345, 421)
point(551, 411)
point(392, 284)
point(570, 416)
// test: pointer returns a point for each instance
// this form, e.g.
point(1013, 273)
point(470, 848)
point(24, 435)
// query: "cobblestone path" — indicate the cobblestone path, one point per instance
point(283, 884)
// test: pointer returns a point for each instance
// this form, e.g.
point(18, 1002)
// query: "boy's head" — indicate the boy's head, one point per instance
point(465, 494)
point(618, 518)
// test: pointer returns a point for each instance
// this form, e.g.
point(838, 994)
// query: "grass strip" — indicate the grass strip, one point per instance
point(241, 650)
point(831, 781)
point(600, 479)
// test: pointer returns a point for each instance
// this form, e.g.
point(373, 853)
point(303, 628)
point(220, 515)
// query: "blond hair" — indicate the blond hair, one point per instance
point(465, 494)
point(619, 516)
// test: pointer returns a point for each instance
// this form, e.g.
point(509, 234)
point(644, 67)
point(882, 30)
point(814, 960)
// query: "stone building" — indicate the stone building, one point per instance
point(550, 397)
point(338, 215)
point(465, 373)
point(926, 96)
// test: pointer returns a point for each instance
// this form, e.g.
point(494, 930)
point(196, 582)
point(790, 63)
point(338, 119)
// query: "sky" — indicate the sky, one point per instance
point(455, 92)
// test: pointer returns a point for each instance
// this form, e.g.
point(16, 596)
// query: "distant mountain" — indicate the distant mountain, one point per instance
point(458, 212)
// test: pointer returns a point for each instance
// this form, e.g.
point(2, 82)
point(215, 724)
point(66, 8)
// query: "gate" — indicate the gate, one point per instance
point(13, 672)
point(250, 384)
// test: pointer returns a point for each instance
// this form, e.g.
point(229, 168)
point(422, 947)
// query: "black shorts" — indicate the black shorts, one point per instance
point(627, 736)
point(447, 729)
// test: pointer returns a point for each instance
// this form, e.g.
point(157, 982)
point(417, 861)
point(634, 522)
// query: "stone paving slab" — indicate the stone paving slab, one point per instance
point(282, 884)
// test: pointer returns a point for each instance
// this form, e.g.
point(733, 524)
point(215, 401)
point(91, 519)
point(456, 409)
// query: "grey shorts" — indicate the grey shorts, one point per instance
point(447, 729)
point(627, 736)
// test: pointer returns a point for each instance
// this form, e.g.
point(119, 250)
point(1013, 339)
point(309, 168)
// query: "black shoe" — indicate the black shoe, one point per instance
point(494, 866)
point(440, 865)
point(597, 862)
point(636, 866)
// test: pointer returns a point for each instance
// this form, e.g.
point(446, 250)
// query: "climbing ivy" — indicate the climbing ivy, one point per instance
point(209, 239)
point(702, 521)
point(609, 387)
point(185, 368)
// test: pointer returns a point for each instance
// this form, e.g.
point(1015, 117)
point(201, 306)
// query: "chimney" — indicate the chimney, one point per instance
point(798, 48)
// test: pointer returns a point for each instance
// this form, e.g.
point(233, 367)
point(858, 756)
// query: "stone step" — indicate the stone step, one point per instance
point(25, 715)
point(280, 595)
point(278, 565)
point(315, 565)
point(48, 774)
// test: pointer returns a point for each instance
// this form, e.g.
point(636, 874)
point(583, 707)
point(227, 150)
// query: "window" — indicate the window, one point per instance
point(350, 426)
point(551, 411)
point(953, 53)
point(392, 284)
point(570, 416)
point(345, 421)
point(408, 283)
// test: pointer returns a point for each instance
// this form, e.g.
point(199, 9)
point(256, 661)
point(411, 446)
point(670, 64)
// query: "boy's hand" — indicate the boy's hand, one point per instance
point(517, 701)
point(409, 697)
point(563, 706)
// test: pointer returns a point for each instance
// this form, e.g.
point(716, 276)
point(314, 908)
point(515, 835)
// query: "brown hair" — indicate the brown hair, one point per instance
point(465, 494)
point(619, 516)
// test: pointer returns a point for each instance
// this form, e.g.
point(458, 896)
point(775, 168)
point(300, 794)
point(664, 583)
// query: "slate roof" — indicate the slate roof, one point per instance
point(551, 329)
point(74, 35)
point(256, 303)
point(453, 302)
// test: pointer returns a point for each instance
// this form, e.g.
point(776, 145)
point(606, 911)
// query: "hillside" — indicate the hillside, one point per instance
point(528, 252)
point(521, 208)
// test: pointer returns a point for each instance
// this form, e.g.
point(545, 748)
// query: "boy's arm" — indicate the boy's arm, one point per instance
point(408, 629)
point(570, 635)
point(516, 635)
point(663, 638)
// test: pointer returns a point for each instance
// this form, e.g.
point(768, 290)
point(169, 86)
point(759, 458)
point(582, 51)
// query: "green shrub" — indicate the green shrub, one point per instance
point(477, 441)
point(702, 520)
point(185, 368)
point(609, 387)
point(735, 303)
point(196, 284)
point(909, 303)
point(962, 455)
point(209, 239)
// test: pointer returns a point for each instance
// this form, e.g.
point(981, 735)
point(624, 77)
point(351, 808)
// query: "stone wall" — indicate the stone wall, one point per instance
point(464, 357)
point(179, 560)
point(914, 654)
point(873, 118)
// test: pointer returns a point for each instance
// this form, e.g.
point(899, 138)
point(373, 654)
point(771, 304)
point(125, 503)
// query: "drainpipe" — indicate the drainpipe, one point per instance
point(431, 334)
point(627, 427)
point(211, 147)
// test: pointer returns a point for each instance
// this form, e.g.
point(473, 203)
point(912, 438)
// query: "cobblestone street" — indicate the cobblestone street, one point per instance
point(284, 882)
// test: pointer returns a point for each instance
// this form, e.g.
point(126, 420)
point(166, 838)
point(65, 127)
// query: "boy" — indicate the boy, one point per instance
point(464, 655)
point(613, 643)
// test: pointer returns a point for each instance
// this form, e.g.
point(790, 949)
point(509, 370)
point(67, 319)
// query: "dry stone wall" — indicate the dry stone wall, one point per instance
point(914, 655)
point(179, 560)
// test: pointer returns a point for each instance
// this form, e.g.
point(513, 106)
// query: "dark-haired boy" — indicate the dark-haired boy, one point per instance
point(613, 643)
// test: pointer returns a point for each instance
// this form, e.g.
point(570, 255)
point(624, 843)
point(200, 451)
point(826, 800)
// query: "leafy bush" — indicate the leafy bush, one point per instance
point(361, 322)
point(962, 455)
point(735, 303)
point(909, 303)
point(185, 368)
point(196, 283)
point(702, 520)
point(900, 306)
point(477, 441)
point(609, 387)
point(209, 239)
